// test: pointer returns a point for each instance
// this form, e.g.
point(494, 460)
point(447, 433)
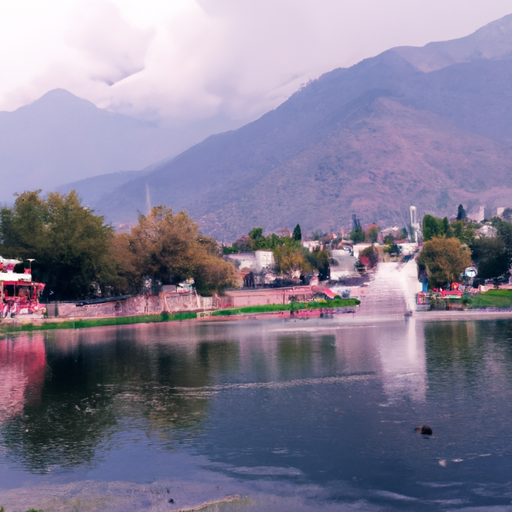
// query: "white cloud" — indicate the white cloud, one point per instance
point(185, 60)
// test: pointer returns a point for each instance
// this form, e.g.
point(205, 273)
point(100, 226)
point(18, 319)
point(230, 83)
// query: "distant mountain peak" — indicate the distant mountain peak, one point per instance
point(493, 41)
point(60, 98)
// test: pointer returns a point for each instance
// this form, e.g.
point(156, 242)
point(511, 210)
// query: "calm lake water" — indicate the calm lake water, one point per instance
point(306, 415)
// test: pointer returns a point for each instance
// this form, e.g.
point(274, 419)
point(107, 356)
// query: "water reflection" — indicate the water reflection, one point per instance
point(94, 387)
point(306, 403)
point(22, 368)
point(402, 355)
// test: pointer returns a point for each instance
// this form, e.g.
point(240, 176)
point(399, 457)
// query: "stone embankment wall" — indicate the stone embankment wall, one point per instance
point(140, 305)
point(174, 302)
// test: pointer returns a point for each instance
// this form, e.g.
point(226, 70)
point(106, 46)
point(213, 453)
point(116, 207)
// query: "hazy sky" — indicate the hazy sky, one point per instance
point(185, 60)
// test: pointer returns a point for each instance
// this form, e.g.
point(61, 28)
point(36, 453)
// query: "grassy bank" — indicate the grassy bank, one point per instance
point(85, 323)
point(268, 308)
point(492, 299)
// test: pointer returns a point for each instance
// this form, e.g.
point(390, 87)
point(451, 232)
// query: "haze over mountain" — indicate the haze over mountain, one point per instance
point(371, 139)
point(60, 138)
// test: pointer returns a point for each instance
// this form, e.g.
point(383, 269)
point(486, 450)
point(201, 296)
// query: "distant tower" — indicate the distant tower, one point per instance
point(413, 222)
point(355, 222)
point(148, 199)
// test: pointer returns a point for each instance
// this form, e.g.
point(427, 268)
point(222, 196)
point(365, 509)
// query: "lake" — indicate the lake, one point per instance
point(276, 415)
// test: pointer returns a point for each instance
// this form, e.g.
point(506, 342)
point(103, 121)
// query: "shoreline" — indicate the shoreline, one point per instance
point(466, 314)
point(14, 326)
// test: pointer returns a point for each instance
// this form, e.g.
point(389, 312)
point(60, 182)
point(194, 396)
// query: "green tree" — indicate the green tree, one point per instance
point(78, 247)
point(22, 228)
point(358, 235)
point(319, 259)
point(464, 231)
point(69, 243)
point(432, 227)
point(447, 230)
point(504, 230)
point(213, 275)
point(164, 246)
point(461, 213)
point(490, 256)
point(169, 248)
point(372, 233)
point(290, 259)
point(297, 233)
point(444, 260)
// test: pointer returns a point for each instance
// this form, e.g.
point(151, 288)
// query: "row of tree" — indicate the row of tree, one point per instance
point(451, 247)
point(289, 255)
point(76, 253)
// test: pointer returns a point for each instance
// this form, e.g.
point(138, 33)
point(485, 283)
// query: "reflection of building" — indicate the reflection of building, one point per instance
point(22, 369)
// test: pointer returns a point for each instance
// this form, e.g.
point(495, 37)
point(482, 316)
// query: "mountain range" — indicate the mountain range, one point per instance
point(427, 126)
point(61, 138)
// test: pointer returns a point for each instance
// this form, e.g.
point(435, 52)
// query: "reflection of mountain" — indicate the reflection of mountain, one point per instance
point(22, 367)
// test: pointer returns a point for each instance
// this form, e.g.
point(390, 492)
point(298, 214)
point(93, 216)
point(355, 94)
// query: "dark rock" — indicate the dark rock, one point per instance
point(425, 430)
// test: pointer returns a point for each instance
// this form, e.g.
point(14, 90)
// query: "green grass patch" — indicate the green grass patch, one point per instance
point(268, 308)
point(86, 323)
point(492, 299)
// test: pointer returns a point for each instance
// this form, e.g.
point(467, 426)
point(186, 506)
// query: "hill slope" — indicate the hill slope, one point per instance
point(371, 140)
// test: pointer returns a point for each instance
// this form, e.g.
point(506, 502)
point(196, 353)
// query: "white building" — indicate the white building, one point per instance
point(264, 259)
point(311, 244)
point(477, 215)
point(254, 261)
point(487, 232)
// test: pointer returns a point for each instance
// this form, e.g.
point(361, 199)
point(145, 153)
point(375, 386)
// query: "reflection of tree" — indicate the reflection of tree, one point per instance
point(91, 388)
point(469, 351)
point(297, 356)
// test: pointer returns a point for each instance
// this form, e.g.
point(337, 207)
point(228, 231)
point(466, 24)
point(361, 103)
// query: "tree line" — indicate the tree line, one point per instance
point(76, 253)
point(289, 254)
point(451, 247)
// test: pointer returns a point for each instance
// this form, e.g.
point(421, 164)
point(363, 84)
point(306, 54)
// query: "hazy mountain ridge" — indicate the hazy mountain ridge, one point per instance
point(429, 156)
point(489, 42)
point(333, 149)
point(60, 138)
point(371, 140)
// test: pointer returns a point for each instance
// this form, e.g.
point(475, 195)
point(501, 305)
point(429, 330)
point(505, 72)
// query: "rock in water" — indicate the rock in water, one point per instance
point(425, 430)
